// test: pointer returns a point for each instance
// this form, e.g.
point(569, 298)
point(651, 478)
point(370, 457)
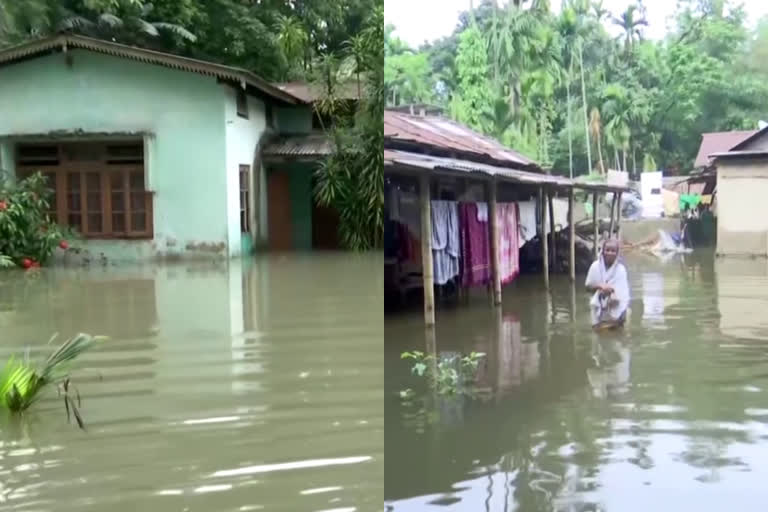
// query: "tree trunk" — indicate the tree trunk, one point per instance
point(618, 162)
point(600, 156)
point(624, 156)
point(584, 101)
point(634, 162)
point(568, 120)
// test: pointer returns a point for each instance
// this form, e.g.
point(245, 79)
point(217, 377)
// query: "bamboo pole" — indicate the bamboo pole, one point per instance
point(494, 236)
point(426, 252)
point(553, 258)
point(618, 218)
point(571, 237)
point(613, 211)
point(544, 242)
point(594, 225)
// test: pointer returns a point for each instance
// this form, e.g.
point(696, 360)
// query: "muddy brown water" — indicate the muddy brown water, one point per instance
point(670, 414)
point(256, 386)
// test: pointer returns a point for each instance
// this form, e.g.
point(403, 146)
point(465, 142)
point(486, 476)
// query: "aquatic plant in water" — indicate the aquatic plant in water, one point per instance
point(22, 383)
point(448, 375)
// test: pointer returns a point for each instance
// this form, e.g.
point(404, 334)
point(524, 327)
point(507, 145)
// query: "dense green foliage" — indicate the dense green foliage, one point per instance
point(28, 238)
point(564, 89)
point(352, 179)
point(278, 40)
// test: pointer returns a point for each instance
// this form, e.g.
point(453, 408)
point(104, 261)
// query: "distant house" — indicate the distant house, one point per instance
point(742, 189)
point(716, 142)
point(153, 155)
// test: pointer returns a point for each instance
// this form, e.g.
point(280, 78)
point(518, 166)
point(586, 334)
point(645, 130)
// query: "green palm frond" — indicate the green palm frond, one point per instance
point(21, 383)
point(176, 29)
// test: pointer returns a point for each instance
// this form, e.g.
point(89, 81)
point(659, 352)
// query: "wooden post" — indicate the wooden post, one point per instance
point(543, 231)
point(613, 211)
point(552, 231)
point(494, 236)
point(426, 252)
point(595, 249)
point(618, 218)
point(571, 236)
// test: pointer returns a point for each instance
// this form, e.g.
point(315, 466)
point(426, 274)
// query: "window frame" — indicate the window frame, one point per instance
point(241, 102)
point(244, 177)
point(105, 168)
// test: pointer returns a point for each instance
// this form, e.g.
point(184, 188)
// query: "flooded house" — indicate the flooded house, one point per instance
point(152, 155)
point(463, 211)
point(741, 177)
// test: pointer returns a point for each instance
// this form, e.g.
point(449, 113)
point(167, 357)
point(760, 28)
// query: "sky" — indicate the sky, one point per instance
point(417, 21)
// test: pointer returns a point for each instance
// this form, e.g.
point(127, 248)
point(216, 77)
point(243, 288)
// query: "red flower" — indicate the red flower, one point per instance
point(26, 263)
point(64, 245)
point(3, 206)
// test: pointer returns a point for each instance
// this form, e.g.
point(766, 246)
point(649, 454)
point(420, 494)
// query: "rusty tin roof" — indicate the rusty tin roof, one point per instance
point(444, 134)
point(718, 142)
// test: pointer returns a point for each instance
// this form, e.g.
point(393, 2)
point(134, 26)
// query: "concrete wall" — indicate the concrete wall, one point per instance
point(742, 224)
point(187, 162)
point(242, 136)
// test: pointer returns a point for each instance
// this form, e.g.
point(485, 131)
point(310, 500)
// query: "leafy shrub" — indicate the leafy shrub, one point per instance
point(28, 237)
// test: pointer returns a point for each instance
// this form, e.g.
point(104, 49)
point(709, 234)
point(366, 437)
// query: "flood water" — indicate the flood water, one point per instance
point(256, 386)
point(670, 414)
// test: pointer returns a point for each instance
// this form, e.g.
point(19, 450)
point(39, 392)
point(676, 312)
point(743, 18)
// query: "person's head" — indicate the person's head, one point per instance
point(610, 251)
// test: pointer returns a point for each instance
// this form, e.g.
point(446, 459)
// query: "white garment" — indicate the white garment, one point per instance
point(482, 212)
point(527, 221)
point(560, 213)
point(615, 276)
point(445, 240)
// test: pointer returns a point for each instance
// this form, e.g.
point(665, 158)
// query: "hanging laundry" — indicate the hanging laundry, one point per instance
point(527, 221)
point(560, 213)
point(475, 245)
point(445, 240)
point(482, 212)
point(508, 243)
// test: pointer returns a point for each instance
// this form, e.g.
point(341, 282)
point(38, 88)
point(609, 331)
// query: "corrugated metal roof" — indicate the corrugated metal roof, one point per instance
point(716, 142)
point(309, 92)
point(445, 134)
point(427, 163)
point(63, 42)
point(313, 145)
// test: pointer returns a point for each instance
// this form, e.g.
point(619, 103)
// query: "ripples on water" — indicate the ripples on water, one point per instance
point(256, 387)
point(671, 414)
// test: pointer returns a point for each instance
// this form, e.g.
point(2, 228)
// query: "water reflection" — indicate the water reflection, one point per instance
point(222, 388)
point(668, 414)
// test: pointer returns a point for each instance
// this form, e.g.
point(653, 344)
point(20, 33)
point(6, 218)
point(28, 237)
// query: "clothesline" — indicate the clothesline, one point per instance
point(460, 241)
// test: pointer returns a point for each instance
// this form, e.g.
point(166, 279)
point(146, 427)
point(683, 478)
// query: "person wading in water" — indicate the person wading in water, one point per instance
point(607, 279)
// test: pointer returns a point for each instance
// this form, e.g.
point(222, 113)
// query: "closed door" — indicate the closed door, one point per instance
point(279, 211)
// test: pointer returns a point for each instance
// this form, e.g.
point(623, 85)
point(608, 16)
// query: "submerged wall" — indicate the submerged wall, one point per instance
point(182, 116)
point(742, 208)
point(242, 135)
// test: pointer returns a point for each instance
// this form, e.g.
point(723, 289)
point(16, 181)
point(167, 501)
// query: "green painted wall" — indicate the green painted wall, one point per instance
point(293, 119)
point(301, 206)
point(184, 114)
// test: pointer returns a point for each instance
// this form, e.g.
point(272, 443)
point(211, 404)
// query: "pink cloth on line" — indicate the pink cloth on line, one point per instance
point(475, 247)
point(508, 243)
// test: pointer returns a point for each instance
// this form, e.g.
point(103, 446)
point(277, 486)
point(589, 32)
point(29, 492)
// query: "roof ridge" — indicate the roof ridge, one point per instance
point(41, 45)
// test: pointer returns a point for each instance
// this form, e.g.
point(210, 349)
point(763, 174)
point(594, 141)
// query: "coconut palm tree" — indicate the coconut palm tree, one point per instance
point(630, 22)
